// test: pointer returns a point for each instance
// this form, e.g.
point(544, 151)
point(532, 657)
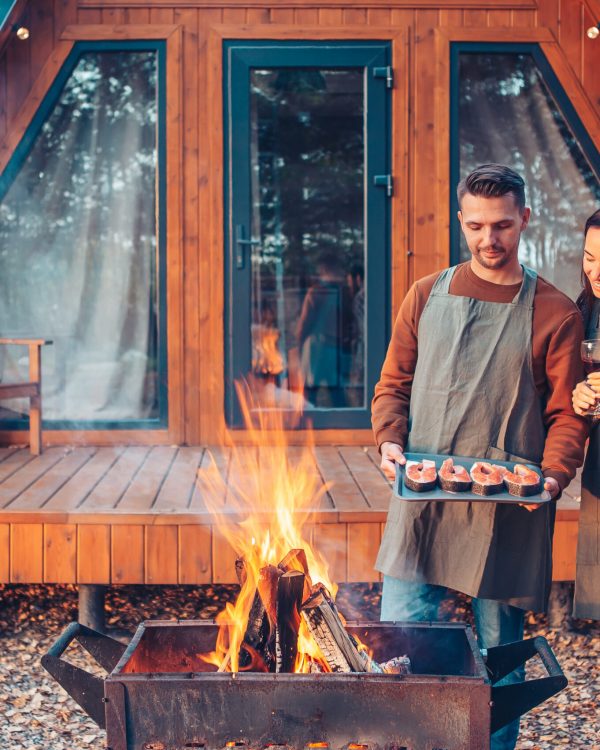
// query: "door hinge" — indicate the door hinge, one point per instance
point(386, 181)
point(386, 73)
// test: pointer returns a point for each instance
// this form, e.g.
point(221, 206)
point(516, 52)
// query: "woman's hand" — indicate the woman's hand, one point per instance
point(586, 393)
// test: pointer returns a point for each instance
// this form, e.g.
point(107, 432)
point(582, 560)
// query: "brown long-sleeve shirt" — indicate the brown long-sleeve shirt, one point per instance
point(557, 367)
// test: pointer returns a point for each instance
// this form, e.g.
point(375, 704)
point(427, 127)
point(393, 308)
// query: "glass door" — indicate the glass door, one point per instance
point(307, 231)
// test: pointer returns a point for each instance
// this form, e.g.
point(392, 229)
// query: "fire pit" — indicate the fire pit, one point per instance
point(161, 695)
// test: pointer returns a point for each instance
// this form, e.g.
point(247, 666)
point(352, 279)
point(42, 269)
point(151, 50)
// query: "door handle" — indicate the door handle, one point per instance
point(240, 244)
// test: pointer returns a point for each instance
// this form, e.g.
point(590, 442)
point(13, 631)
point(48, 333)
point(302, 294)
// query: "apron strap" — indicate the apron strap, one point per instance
point(442, 283)
point(527, 291)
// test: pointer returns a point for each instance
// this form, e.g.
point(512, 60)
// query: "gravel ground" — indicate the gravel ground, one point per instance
point(36, 714)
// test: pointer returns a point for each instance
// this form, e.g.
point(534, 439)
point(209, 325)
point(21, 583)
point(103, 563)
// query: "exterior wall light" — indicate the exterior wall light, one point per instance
point(22, 32)
point(593, 32)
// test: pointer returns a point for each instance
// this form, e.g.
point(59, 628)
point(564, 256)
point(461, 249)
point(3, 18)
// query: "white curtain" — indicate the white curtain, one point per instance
point(78, 245)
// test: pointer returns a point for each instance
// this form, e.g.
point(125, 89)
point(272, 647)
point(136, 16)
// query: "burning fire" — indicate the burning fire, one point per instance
point(274, 488)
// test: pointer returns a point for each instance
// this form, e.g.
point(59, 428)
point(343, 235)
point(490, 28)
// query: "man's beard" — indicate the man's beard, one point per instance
point(499, 262)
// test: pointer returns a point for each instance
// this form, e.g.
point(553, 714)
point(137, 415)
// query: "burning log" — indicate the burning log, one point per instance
point(260, 628)
point(268, 582)
point(289, 602)
point(296, 560)
point(326, 627)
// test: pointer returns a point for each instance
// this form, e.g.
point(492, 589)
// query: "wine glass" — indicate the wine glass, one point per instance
point(590, 354)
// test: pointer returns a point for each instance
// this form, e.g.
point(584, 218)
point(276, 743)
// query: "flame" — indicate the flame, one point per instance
point(266, 356)
point(273, 489)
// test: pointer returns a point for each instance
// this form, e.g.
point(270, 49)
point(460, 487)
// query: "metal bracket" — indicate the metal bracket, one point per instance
point(83, 687)
point(387, 72)
point(386, 181)
point(512, 700)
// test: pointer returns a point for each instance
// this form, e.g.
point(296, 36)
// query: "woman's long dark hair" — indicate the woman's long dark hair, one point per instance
point(585, 301)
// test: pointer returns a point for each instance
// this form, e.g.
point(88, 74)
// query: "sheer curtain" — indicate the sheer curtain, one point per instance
point(508, 115)
point(78, 244)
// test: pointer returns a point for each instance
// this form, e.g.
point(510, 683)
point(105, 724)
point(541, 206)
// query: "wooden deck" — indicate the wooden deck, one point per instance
point(134, 514)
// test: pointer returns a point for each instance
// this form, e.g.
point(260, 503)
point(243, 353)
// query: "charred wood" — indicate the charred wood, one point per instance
point(289, 601)
point(326, 627)
point(296, 560)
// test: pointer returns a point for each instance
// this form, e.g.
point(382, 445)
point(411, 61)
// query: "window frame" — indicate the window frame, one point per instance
point(241, 55)
point(12, 169)
point(556, 89)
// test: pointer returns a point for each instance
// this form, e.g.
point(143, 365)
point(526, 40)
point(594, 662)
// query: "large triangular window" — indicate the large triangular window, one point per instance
point(81, 243)
point(508, 107)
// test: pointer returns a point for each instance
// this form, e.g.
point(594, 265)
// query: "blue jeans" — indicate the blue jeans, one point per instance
point(496, 623)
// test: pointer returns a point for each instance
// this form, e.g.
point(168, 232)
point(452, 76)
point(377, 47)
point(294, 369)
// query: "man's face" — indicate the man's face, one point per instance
point(492, 229)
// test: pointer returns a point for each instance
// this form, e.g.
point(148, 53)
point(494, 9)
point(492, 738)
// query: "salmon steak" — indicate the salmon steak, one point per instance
point(522, 481)
point(487, 478)
point(420, 476)
point(453, 477)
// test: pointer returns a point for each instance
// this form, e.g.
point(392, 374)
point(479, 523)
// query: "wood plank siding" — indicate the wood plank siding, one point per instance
point(136, 515)
point(419, 32)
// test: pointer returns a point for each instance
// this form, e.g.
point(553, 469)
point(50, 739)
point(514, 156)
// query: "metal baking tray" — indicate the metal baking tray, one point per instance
point(404, 493)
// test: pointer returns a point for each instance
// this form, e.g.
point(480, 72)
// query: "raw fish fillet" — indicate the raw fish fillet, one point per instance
point(420, 476)
point(454, 478)
point(522, 481)
point(487, 478)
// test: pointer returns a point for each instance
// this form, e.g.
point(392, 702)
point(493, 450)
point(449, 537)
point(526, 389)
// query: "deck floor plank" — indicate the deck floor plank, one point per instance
point(142, 492)
point(13, 461)
point(344, 491)
point(18, 482)
point(178, 488)
point(369, 478)
point(107, 494)
point(42, 490)
point(72, 494)
point(214, 458)
point(307, 456)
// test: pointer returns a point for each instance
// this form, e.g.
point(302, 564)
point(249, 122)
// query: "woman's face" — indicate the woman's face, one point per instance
point(591, 258)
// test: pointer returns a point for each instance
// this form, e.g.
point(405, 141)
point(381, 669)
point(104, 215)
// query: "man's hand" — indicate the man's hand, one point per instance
point(586, 393)
point(391, 454)
point(551, 487)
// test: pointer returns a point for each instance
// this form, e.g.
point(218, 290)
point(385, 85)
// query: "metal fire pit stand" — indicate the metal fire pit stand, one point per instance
point(155, 697)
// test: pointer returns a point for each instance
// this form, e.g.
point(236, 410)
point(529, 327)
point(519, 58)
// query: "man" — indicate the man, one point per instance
point(482, 362)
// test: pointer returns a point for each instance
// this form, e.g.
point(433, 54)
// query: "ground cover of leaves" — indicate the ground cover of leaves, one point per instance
point(36, 714)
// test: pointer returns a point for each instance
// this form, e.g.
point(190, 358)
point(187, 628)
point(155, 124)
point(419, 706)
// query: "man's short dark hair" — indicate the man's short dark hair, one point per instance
point(493, 181)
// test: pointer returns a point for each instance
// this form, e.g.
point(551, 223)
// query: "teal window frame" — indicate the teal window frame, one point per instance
point(12, 170)
point(239, 57)
point(555, 87)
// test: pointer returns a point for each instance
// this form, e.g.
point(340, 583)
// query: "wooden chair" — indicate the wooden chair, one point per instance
point(31, 389)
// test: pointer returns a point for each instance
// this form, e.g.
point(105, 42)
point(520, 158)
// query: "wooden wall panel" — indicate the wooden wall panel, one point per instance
point(564, 550)
point(363, 545)
point(4, 553)
point(41, 19)
point(223, 559)
point(18, 58)
point(26, 553)
point(93, 553)
point(60, 553)
point(571, 34)
point(127, 554)
point(161, 554)
point(195, 554)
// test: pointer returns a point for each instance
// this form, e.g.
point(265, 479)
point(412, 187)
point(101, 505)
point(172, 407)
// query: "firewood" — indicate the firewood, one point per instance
point(268, 581)
point(326, 627)
point(257, 633)
point(296, 560)
point(260, 633)
point(289, 601)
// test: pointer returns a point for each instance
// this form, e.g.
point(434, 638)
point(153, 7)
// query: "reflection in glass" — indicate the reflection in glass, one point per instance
point(508, 115)
point(78, 244)
point(307, 192)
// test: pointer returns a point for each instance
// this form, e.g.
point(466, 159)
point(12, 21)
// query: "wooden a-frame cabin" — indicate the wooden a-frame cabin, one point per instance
point(197, 191)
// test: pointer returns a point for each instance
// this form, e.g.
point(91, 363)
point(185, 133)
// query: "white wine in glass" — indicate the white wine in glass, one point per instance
point(590, 354)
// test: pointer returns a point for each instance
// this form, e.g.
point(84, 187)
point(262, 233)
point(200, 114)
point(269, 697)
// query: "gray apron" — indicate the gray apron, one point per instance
point(474, 394)
point(587, 578)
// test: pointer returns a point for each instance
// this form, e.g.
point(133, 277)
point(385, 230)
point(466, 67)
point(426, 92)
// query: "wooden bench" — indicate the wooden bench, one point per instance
point(31, 389)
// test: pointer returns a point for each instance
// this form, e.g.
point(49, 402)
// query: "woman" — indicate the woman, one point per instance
point(585, 395)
